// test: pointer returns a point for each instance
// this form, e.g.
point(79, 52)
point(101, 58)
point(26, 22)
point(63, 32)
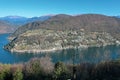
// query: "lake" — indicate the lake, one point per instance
point(91, 55)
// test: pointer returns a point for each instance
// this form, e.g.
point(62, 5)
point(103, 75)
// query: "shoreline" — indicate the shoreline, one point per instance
point(57, 49)
point(46, 50)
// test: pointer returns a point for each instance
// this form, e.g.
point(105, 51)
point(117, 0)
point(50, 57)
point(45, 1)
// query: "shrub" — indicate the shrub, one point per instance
point(4, 71)
point(33, 70)
point(18, 75)
point(60, 71)
point(39, 69)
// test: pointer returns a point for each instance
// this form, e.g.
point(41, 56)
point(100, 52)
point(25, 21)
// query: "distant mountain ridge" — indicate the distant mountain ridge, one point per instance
point(9, 24)
point(6, 27)
point(88, 22)
point(19, 20)
point(65, 31)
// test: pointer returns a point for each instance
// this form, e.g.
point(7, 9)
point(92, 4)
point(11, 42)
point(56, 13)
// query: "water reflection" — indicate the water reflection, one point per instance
point(90, 55)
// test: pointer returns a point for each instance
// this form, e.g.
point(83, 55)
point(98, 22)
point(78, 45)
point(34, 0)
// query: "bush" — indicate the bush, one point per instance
point(43, 69)
point(33, 69)
point(39, 69)
point(60, 71)
point(18, 75)
point(4, 71)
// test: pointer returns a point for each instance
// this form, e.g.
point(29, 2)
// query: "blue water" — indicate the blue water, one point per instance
point(91, 55)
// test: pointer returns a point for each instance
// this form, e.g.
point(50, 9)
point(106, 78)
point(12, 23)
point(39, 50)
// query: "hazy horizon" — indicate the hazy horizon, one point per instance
point(31, 8)
point(51, 15)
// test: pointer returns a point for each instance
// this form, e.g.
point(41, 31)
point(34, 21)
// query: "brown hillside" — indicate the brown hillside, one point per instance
point(88, 22)
point(6, 27)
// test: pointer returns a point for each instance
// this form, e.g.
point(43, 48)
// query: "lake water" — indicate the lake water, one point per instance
point(92, 55)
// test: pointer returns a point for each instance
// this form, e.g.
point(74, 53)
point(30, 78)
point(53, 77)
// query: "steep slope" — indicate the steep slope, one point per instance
point(64, 31)
point(42, 40)
point(58, 19)
point(88, 22)
point(6, 27)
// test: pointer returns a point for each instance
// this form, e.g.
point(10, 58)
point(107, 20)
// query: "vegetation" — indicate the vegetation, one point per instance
point(6, 27)
point(48, 40)
point(87, 22)
point(58, 32)
point(17, 75)
point(60, 72)
point(36, 69)
point(64, 31)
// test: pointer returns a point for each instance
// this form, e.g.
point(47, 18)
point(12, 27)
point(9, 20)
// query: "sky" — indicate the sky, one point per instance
point(31, 8)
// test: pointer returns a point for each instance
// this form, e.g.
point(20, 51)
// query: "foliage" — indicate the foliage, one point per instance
point(37, 69)
point(18, 75)
point(4, 71)
point(60, 72)
point(34, 70)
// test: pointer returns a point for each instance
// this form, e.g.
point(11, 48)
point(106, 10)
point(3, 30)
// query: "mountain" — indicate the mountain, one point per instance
point(117, 16)
point(6, 27)
point(15, 20)
point(42, 18)
point(65, 31)
point(9, 24)
point(18, 20)
point(88, 22)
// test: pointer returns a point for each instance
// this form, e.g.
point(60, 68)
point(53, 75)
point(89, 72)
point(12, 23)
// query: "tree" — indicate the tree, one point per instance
point(60, 72)
point(18, 75)
point(2, 75)
point(4, 71)
point(33, 69)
